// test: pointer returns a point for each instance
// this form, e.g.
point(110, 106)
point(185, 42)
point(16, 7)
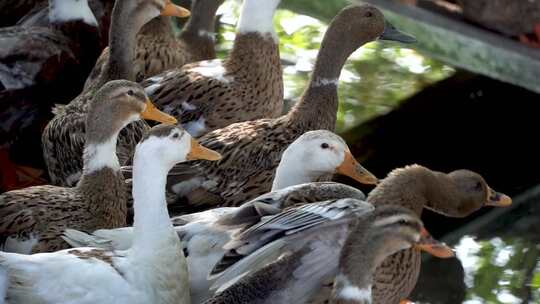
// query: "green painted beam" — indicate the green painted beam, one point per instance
point(465, 46)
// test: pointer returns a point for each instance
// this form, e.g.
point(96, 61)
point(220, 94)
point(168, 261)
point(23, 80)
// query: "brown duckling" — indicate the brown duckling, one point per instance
point(345, 238)
point(247, 85)
point(64, 136)
point(33, 219)
point(456, 194)
point(158, 49)
point(252, 150)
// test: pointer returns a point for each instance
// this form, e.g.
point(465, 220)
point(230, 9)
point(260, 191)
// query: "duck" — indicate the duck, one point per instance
point(64, 136)
point(158, 49)
point(42, 61)
point(344, 239)
point(519, 19)
point(204, 233)
point(32, 219)
point(252, 150)
point(247, 85)
point(455, 194)
point(152, 270)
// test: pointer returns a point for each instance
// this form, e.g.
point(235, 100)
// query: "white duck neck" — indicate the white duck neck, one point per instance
point(152, 225)
point(257, 16)
point(290, 172)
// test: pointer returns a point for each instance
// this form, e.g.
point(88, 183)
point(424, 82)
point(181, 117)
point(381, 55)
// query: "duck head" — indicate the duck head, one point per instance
point(171, 145)
point(315, 154)
point(379, 234)
point(455, 194)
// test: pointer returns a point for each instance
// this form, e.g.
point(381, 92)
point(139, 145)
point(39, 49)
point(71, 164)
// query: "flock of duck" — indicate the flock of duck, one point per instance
point(254, 217)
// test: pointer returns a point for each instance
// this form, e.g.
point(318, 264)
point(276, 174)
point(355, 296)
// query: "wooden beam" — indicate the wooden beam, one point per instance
point(465, 46)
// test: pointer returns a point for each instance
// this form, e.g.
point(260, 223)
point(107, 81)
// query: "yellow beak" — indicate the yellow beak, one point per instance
point(152, 113)
point(171, 9)
point(350, 167)
point(200, 152)
point(498, 199)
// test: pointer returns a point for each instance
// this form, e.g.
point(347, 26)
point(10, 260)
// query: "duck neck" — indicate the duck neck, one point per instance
point(152, 225)
point(288, 172)
point(198, 33)
point(64, 11)
point(158, 27)
point(320, 99)
point(122, 44)
point(255, 45)
point(406, 187)
point(101, 182)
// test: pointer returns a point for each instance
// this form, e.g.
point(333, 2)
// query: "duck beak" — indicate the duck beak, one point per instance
point(430, 245)
point(350, 167)
point(498, 199)
point(171, 9)
point(152, 113)
point(200, 152)
point(393, 34)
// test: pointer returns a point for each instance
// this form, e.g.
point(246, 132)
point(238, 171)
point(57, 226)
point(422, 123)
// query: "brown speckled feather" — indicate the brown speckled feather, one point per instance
point(251, 150)
point(44, 212)
point(246, 86)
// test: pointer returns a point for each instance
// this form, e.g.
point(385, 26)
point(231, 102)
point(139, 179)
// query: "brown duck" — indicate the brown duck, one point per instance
point(252, 150)
point(208, 95)
point(456, 194)
point(33, 219)
point(344, 238)
point(158, 49)
point(64, 136)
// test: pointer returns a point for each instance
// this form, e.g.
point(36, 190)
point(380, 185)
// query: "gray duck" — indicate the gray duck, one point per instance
point(252, 150)
point(32, 219)
point(158, 49)
point(63, 137)
point(344, 238)
point(247, 85)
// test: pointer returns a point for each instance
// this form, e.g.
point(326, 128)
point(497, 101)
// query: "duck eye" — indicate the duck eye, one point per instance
point(130, 93)
point(175, 135)
point(478, 186)
point(368, 14)
point(324, 146)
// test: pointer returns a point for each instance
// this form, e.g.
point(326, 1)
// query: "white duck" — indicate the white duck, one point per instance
point(312, 155)
point(152, 270)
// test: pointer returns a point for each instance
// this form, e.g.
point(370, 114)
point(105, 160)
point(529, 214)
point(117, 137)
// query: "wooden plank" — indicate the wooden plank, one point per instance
point(465, 46)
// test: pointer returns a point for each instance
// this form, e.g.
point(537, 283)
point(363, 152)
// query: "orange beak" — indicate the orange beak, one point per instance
point(152, 113)
point(351, 168)
point(171, 9)
point(200, 152)
point(428, 244)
